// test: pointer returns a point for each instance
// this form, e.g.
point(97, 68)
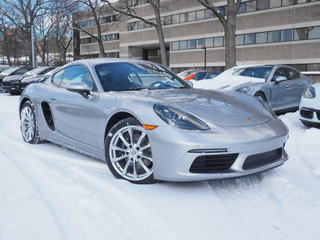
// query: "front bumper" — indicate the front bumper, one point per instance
point(182, 148)
point(309, 111)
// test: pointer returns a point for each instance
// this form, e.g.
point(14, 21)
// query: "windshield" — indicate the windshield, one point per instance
point(125, 76)
point(254, 72)
point(10, 70)
point(200, 75)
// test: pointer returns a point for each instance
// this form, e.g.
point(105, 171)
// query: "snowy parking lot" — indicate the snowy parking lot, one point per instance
point(48, 192)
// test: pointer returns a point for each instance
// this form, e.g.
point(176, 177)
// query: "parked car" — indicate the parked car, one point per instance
point(280, 86)
point(198, 75)
point(12, 71)
point(149, 125)
point(12, 84)
point(3, 68)
point(310, 106)
point(35, 79)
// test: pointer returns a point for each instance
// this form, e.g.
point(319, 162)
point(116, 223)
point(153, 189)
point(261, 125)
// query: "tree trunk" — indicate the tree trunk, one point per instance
point(230, 35)
point(230, 39)
point(160, 34)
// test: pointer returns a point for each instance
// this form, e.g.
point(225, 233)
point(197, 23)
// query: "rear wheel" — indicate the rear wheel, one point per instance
point(29, 124)
point(128, 152)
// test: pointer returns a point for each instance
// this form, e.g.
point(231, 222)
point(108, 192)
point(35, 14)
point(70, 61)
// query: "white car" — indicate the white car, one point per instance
point(280, 86)
point(310, 106)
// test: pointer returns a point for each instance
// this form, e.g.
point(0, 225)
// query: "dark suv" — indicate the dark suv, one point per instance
point(12, 71)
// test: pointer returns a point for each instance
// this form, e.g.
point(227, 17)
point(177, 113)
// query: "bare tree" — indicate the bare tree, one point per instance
point(229, 24)
point(24, 13)
point(128, 10)
point(96, 11)
point(62, 26)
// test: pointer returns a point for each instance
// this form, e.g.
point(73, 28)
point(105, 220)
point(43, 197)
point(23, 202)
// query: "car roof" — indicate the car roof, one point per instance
point(95, 61)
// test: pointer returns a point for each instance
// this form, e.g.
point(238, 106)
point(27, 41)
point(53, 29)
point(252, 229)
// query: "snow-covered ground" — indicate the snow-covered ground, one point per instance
point(48, 192)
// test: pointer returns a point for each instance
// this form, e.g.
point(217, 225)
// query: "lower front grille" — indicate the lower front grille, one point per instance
point(213, 163)
point(261, 159)
point(306, 113)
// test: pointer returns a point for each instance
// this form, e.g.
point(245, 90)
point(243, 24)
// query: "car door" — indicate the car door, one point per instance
point(298, 84)
point(281, 92)
point(75, 115)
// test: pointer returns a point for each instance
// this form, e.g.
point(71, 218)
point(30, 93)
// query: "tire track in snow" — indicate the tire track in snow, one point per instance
point(278, 202)
point(35, 191)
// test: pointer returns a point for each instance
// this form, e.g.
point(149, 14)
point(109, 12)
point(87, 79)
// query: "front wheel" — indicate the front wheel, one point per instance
point(261, 96)
point(128, 152)
point(29, 124)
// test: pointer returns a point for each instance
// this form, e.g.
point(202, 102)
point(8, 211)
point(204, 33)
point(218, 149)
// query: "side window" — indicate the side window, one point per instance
point(292, 74)
point(21, 71)
point(280, 72)
point(77, 74)
point(56, 79)
point(212, 75)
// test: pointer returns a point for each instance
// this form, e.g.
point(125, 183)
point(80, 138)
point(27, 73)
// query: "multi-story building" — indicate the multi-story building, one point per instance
point(268, 31)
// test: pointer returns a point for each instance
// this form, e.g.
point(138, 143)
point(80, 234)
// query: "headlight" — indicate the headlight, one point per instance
point(243, 89)
point(266, 106)
point(178, 118)
point(310, 92)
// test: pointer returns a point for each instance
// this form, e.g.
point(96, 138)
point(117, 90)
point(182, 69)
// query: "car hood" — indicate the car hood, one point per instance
point(14, 77)
point(227, 109)
point(34, 78)
point(220, 83)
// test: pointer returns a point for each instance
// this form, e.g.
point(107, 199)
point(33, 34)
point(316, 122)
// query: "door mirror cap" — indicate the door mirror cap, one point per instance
point(279, 79)
point(79, 87)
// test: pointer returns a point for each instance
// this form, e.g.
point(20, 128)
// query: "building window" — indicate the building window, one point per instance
point(200, 43)
point(200, 15)
point(262, 4)
point(221, 10)
point(250, 38)
point(314, 33)
point(192, 44)
point(274, 36)
point(208, 14)
point(175, 19)
point(208, 42)
point(242, 8)
point(191, 16)
point(183, 45)
point(286, 35)
point(301, 34)
point(175, 46)
point(251, 6)
point(274, 3)
point(239, 40)
point(262, 37)
point(183, 17)
point(219, 41)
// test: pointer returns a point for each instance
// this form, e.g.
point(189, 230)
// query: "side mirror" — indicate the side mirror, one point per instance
point(279, 79)
point(79, 87)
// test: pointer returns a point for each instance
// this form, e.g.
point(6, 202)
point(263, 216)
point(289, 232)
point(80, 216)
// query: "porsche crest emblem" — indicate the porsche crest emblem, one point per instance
point(250, 119)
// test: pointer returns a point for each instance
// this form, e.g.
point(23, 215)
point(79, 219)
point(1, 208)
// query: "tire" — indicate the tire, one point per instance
point(29, 124)
point(1, 89)
point(261, 95)
point(128, 152)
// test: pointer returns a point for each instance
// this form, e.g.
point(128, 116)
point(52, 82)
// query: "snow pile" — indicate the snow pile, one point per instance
point(48, 192)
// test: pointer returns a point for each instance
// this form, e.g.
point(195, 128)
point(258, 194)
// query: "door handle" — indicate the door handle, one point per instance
point(288, 86)
point(301, 84)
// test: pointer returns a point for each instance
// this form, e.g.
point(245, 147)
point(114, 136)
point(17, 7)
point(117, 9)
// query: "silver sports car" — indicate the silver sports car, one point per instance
point(148, 124)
